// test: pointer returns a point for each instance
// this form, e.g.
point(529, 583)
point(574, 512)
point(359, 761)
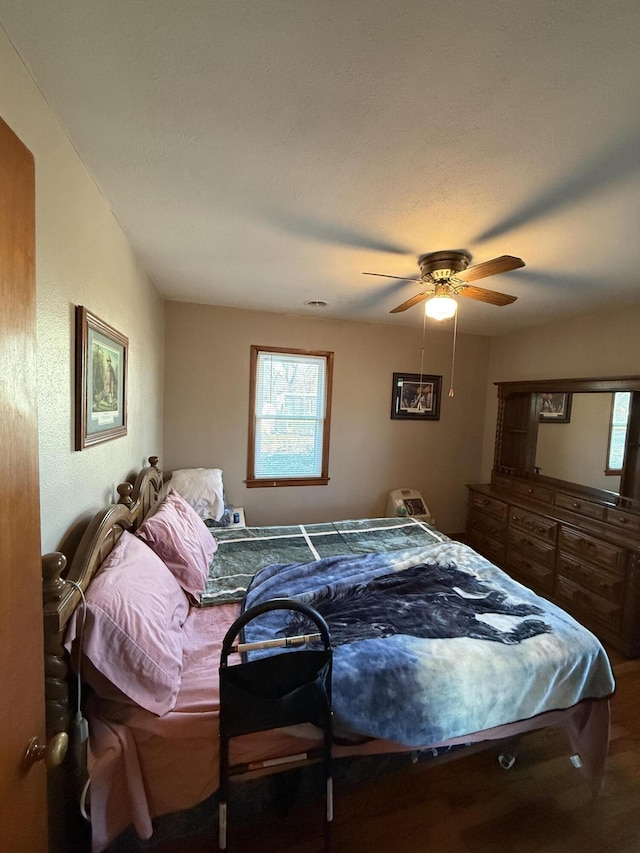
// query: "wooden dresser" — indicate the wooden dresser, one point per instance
point(582, 555)
point(577, 545)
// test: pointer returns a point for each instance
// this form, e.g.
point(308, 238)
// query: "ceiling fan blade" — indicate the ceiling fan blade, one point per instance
point(504, 263)
point(399, 277)
point(419, 297)
point(490, 296)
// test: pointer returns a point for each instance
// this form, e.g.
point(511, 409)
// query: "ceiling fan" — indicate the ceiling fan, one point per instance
point(447, 274)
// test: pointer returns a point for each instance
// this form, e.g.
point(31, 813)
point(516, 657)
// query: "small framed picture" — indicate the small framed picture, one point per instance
point(555, 408)
point(416, 396)
point(101, 380)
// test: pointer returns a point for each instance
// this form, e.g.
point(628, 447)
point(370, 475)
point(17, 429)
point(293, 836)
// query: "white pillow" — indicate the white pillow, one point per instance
point(202, 489)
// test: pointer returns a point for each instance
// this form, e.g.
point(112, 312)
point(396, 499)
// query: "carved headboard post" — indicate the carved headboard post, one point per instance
point(55, 666)
point(125, 490)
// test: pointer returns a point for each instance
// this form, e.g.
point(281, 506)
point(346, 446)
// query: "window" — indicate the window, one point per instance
point(289, 417)
point(618, 431)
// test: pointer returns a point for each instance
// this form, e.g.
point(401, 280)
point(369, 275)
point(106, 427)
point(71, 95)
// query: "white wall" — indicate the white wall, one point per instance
point(207, 405)
point(604, 343)
point(82, 258)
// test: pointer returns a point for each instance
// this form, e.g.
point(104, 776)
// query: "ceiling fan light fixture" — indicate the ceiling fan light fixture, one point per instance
point(440, 307)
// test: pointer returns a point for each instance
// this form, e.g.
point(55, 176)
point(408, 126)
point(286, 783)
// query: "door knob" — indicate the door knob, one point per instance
point(53, 753)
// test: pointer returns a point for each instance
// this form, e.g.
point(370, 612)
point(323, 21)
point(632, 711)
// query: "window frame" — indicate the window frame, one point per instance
point(609, 471)
point(252, 481)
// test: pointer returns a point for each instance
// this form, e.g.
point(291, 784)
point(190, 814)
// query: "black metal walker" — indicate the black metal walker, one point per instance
point(274, 691)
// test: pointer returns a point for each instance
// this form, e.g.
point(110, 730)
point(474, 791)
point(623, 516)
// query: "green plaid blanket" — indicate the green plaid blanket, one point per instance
point(243, 551)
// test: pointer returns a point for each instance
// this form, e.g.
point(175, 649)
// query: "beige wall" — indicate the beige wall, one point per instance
point(577, 451)
point(207, 401)
point(82, 257)
point(605, 343)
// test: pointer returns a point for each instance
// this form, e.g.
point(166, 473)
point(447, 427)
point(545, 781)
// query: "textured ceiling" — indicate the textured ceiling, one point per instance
point(262, 154)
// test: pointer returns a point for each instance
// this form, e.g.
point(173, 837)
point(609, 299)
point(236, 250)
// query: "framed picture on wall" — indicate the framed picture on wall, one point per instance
point(556, 408)
point(416, 396)
point(101, 380)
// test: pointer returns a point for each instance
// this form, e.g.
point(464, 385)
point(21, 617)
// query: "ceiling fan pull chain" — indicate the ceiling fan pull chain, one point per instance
point(453, 356)
point(424, 323)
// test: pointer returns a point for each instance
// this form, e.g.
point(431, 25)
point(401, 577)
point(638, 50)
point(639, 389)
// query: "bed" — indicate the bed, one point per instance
point(467, 657)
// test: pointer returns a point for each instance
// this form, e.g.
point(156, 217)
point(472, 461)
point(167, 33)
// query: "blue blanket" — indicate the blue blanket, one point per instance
point(435, 642)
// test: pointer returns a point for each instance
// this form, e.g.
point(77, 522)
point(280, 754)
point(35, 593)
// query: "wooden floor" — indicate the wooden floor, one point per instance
point(472, 805)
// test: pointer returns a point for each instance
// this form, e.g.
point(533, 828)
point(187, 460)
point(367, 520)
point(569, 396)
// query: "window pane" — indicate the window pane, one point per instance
point(618, 430)
point(288, 448)
point(621, 400)
point(616, 448)
point(290, 385)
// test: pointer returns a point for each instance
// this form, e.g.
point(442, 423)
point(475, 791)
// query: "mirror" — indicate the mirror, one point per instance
point(576, 450)
point(558, 430)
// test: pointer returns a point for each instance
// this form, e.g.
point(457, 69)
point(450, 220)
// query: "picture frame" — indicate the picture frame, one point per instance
point(416, 397)
point(556, 408)
point(102, 355)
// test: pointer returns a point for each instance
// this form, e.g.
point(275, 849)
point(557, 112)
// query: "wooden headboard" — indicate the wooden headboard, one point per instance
point(61, 599)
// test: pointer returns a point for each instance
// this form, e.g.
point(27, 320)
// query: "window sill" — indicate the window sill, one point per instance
point(301, 481)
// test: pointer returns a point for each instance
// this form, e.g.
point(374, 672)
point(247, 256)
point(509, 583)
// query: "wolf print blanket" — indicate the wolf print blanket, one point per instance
point(396, 603)
point(434, 642)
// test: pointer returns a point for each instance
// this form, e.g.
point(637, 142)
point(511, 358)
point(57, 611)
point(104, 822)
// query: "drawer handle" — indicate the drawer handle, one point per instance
point(622, 520)
point(529, 491)
point(575, 505)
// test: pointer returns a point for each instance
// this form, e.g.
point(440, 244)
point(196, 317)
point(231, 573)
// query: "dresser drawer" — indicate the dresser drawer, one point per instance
point(577, 505)
point(536, 493)
point(490, 548)
point(488, 524)
point(530, 572)
point(603, 583)
point(492, 506)
point(624, 520)
point(595, 551)
point(531, 548)
point(529, 522)
point(579, 600)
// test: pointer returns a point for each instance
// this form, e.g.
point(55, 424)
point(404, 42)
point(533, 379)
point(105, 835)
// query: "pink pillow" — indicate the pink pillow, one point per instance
point(182, 541)
point(133, 633)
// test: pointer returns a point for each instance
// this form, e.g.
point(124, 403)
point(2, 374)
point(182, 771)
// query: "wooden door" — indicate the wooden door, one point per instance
point(23, 809)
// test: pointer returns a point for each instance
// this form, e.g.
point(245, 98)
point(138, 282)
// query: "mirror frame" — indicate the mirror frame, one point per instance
point(519, 405)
